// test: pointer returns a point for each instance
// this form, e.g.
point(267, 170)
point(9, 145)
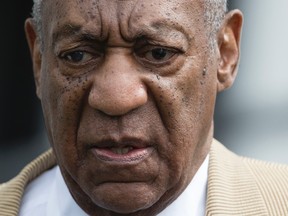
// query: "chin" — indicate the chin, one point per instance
point(127, 198)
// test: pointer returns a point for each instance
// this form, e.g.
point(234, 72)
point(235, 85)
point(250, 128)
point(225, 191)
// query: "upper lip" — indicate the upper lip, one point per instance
point(120, 143)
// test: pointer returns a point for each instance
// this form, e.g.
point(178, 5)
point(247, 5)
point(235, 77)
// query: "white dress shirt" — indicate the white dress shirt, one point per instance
point(48, 195)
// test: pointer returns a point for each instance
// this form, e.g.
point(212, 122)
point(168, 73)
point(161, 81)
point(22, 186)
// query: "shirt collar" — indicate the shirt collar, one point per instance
point(60, 201)
point(192, 201)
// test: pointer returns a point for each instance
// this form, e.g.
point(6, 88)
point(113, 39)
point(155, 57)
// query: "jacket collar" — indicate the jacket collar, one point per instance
point(232, 189)
point(11, 192)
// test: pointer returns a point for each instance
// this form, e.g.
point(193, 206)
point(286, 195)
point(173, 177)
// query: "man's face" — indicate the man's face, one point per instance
point(128, 91)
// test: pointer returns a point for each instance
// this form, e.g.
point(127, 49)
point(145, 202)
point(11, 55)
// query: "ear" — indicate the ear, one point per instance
point(229, 47)
point(34, 46)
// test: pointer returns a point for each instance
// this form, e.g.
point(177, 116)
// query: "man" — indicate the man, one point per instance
point(128, 90)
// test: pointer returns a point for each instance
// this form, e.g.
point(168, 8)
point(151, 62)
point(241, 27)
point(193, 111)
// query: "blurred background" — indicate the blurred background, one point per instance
point(251, 118)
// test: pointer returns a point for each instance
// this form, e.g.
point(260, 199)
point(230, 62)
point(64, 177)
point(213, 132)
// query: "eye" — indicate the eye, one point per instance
point(80, 57)
point(159, 54)
point(156, 55)
point(77, 56)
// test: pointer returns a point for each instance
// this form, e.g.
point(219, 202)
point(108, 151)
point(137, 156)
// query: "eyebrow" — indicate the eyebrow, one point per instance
point(162, 30)
point(76, 30)
point(170, 27)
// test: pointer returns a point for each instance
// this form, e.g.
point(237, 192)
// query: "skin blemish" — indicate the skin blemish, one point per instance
point(79, 80)
point(204, 72)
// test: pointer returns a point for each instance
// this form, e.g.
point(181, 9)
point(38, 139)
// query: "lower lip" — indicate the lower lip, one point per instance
point(134, 156)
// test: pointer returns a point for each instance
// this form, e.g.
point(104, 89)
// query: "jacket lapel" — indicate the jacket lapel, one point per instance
point(11, 192)
point(232, 189)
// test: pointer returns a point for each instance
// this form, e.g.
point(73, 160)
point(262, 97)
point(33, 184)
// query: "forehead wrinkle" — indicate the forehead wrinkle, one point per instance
point(124, 21)
point(74, 21)
point(139, 25)
point(105, 9)
point(131, 15)
point(101, 21)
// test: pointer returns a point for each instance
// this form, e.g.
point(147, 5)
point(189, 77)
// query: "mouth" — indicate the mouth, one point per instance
point(128, 151)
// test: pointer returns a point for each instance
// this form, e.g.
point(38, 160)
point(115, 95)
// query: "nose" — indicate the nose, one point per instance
point(117, 87)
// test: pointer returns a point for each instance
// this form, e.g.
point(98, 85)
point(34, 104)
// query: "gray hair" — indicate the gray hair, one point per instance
point(37, 17)
point(215, 11)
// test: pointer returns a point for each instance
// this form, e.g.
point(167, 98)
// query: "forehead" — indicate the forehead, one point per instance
point(125, 6)
point(127, 15)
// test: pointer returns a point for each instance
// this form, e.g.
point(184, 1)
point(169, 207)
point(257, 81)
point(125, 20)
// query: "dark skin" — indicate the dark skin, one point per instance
point(128, 90)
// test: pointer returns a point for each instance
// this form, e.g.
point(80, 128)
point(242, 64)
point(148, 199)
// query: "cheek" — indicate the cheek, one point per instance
point(185, 103)
point(62, 100)
point(197, 106)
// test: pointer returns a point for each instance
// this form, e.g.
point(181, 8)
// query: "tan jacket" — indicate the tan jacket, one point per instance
point(236, 185)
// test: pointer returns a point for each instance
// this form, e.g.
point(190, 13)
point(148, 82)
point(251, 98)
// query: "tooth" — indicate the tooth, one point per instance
point(115, 150)
point(121, 151)
point(125, 150)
